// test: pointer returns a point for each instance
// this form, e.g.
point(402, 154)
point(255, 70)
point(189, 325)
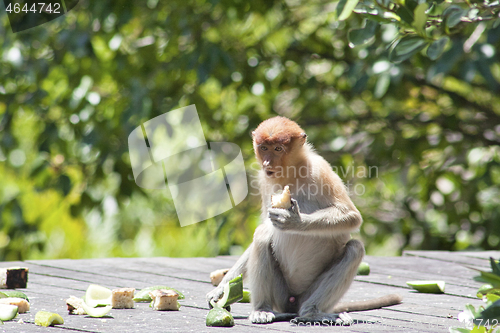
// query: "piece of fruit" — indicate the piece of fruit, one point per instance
point(122, 298)
point(428, 287)
point(282, 200)
point(75, 306)
point(97, 295)
point(13, 277)
point(8, 312)
point(45, 318)
point(164, 299)
point(22, 304)
point(143, 294)
point(217, 276)
point(13, 293)
point(96, 312)
point(363, 268)
point(246, 297)
point(219, 318)
point(233, 292)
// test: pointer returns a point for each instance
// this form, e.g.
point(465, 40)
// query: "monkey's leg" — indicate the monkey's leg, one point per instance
point(267, 285)
point(318, 301)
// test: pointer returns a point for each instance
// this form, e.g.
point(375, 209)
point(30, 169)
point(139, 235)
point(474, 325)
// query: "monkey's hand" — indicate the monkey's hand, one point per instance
point(215, 295)
point(287, 219)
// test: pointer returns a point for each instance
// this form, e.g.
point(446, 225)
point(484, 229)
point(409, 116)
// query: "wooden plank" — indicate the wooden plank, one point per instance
point(52, 281)
point(425, 303)
point(465, 258)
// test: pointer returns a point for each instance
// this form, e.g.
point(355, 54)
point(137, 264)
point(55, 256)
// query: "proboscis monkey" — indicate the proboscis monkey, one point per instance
point(302, 260)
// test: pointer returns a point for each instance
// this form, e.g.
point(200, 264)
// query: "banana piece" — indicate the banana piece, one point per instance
point(282, 200)
point(217, 276)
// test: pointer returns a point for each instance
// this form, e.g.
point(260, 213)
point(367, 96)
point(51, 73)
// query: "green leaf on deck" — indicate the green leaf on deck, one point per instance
point(488, 277)
point(491, 313)
point(495, 267)
point(459, 330)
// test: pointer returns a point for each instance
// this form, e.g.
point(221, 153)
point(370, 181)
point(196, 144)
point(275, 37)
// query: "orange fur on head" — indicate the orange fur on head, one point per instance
point(277, 130)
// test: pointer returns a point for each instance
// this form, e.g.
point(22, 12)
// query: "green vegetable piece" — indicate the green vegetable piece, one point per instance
point(45, 318)
point(233, 292)
point(219, 317)
point(246, 297)
point(143, 294)
point(96, 312)
point(97, 296)
point(7, 312)
point(428, 287)
point(364, 268)
point(13, 293)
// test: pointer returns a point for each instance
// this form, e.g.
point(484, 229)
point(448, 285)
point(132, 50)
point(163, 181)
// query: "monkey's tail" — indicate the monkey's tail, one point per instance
point(370, 304)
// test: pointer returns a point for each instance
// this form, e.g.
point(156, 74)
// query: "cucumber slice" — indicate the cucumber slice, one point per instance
point(45, 318)
point(143, 294)
point(13, 293)
point(246, 297)
point(97, 295)
point(8, 312)
point(96, 312)
point(364, 268)
point(219, 317)
point(233, 292)
point(428, 287)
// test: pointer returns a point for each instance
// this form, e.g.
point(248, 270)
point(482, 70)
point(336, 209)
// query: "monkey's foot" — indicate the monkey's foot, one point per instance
point(333, 319)
point(261, 317)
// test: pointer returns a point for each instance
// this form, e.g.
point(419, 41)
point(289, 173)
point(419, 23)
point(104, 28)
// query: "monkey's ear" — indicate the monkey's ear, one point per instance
point(302, 138)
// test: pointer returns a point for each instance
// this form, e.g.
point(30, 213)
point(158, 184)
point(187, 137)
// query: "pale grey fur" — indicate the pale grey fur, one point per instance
point(305, 252)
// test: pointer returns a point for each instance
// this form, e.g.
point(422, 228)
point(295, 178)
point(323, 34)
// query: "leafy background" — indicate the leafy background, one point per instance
point(409, 90)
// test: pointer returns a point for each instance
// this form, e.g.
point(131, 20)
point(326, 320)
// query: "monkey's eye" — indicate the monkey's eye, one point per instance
point(278, 148)
point(263, 148)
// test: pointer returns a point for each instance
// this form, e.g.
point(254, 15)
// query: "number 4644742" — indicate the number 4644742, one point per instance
point(34, 8)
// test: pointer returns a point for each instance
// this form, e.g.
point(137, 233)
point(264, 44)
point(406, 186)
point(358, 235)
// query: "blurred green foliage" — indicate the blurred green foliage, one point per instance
point(408, 91)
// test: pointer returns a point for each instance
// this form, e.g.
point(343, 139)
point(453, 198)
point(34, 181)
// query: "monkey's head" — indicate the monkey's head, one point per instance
point(277, 142)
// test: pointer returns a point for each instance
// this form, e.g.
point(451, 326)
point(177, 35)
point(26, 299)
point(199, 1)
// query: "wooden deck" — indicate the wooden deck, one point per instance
point(52, 281)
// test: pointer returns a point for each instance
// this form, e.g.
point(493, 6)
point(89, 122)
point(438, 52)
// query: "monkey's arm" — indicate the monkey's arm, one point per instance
point(240, 267)
point(336, 219)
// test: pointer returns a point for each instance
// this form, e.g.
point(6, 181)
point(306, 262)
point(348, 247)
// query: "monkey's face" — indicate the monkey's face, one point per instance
point(270, 157)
